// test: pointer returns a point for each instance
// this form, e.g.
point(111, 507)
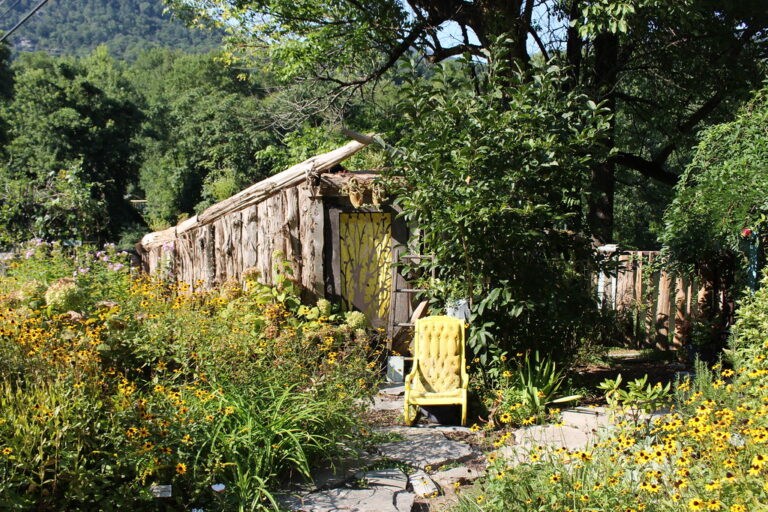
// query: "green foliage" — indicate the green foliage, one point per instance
point(298, 42)
point(539, 379)
point(355, 319)
point(127, 27)
point(61, 206)
point(63, 295)
point(201, 134)
point(639, 395)
point(707, 454)
point(495, 182)
point(748, 342)
point(151, 384)
point(71, 151)
point(723, 191)
point(6, 89)
point(526, 389)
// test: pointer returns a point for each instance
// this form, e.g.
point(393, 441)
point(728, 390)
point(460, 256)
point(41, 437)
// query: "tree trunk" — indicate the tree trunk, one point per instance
point(602, 183)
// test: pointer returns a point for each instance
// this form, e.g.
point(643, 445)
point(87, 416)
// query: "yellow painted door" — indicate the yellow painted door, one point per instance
point(365, 241)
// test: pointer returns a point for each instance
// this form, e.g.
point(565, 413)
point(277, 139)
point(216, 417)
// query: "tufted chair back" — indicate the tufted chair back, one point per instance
point(439, 355)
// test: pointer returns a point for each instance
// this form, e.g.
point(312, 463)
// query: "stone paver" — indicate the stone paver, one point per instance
point(392, 389)
point(385, 491)
point(352, 500)
point(552, 436)
point(427, 452)
point(387, 403)
point(422, 485)
point(404, 501)
point(335, 473)
point(586, 418)
point(349, 488)
point(391, 478)
point(411, 433)
point(463, 475)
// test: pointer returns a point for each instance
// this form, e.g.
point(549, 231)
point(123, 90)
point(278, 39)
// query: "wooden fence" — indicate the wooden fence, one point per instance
point(655, 306)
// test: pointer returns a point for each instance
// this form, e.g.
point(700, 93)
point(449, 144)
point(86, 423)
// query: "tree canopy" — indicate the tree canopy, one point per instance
point(494, 179)
point(665, 68)
point(721, 204)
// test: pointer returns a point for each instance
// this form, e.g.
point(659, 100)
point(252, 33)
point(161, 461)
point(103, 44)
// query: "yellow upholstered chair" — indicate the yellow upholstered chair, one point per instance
point(439, 374)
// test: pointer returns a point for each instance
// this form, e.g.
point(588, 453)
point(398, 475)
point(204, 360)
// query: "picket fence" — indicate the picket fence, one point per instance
point(657, 307)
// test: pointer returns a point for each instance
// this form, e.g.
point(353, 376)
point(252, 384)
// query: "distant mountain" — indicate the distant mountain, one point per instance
point(75, 27)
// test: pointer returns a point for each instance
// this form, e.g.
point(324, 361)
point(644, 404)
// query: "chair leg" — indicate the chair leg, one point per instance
point(464, 413)
point(409, 415)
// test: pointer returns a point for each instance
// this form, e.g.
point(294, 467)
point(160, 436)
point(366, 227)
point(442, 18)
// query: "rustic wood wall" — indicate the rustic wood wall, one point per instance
point(290, 221)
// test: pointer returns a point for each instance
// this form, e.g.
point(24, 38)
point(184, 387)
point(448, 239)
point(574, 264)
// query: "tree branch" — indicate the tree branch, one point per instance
point(629, 98)
point(539, 43)
point(707, 107)
point(648, 168)
point(703, 111)
point(394, 55)
point(441, 53)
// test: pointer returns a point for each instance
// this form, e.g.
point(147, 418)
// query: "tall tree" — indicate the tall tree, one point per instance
point(201, 134)
point(667, 67)
point(72, 127)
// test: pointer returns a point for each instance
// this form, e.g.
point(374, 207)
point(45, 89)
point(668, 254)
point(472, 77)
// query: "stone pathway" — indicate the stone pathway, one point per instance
point(433, 463)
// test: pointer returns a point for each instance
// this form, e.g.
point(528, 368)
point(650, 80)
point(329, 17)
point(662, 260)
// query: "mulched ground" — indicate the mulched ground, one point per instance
point(657, 371)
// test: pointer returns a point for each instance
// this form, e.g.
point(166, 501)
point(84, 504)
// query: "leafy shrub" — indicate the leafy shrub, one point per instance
point(63, 295)
point(526, 388)
point(722, 192)
point(153, 384)
point(493, 175)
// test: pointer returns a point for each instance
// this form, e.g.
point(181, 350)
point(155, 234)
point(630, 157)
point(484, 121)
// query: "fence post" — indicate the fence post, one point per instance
point(663, 311)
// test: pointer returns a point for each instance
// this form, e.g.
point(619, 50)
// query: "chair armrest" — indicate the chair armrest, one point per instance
point(409, 378)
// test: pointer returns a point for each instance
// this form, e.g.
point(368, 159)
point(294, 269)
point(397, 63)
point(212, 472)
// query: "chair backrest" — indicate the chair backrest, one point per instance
point(439, 354)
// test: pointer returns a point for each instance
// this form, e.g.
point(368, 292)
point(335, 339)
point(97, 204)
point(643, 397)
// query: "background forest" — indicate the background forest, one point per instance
point(77, 27)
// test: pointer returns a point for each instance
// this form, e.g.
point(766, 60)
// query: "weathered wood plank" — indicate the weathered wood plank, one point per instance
point(264, 245)
point(639, 324)
point(209, 251)
point(663, 311)
point(652, 280)
point(235, 239)
point(311, 227)
point(250, 239)
point(681, 317)
point(624, 282)
point(291, 230)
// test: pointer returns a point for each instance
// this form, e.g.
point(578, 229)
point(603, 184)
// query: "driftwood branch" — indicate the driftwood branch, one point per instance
point(261, 190)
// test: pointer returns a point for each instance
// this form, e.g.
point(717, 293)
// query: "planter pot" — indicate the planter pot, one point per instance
point(395, 369)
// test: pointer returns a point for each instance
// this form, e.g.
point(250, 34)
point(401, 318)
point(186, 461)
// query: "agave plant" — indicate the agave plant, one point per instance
point(539, 379)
